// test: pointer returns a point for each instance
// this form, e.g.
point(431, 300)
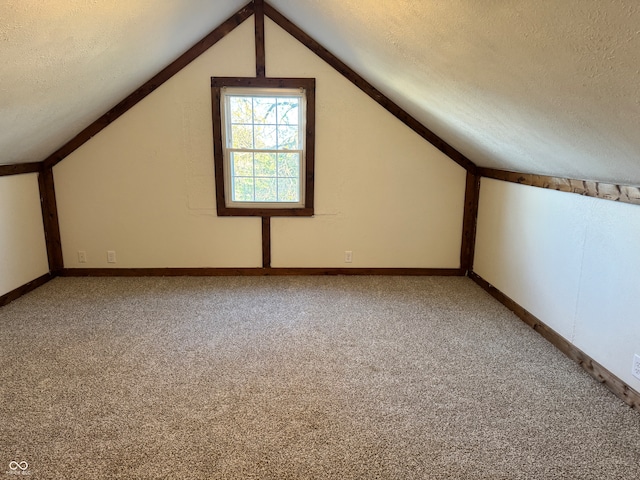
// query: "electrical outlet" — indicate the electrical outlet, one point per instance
point(111, 256)
point(82, 256)
point(636, 366)
point(348, 256)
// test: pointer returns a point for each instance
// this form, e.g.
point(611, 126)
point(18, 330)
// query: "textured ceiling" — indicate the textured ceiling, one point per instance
point(65, 63)
point(537, 86)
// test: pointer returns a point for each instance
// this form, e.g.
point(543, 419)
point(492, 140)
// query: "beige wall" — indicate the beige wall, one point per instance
point(144, 186)
point(381, 190)
point(570, 260)
point(23, 252)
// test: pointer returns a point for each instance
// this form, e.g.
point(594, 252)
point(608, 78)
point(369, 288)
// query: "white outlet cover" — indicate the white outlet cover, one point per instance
point(636, 366)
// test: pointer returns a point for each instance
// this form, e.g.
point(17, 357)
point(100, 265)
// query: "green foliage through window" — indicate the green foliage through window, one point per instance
point(265, 145)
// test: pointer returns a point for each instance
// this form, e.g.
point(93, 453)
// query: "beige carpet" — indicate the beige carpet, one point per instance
point(296, 377)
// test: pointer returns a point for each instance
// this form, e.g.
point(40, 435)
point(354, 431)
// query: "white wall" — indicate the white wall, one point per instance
point(23, 251)
point(572, 261)
point(144, 186)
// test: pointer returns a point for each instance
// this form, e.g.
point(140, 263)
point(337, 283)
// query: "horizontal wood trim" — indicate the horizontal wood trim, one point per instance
point(24, 289)
point(150, 86)
point(307, 83)
point(606, 191)
point(264, 212)
point(369, 89)
point(212, 272)
point(630, 396)
point(20, 168)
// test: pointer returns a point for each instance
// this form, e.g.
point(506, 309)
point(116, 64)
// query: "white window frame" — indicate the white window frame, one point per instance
point(252, 92)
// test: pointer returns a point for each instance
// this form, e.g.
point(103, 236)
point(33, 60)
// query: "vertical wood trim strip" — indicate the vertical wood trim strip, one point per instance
point(310, 146)
point(194, 52)
point(50, 220)
point(258, 16)
point(218, 161)
point(470, 221)
point(369, 89)
point(597, 371)
point(266, 242)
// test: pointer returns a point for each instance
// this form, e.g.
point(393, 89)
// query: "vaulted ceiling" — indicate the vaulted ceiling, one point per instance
point(536, 86)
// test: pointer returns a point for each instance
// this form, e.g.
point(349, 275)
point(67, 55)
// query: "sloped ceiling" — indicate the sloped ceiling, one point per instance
point(535, 86)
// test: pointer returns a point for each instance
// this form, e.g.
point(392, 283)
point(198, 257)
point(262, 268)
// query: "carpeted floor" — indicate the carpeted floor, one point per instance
point(296, 378)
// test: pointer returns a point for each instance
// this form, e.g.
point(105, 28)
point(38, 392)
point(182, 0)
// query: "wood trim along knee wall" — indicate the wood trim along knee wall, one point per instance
point(627, 394)
point(20, 168)
point(605, 191)
point(24, 289)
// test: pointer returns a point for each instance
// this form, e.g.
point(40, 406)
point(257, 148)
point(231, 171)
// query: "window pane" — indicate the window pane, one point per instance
point(266, 190)
point(242, 164)
point(265, 165)
point(288, 190)
point(288, 112)
point(288, 164)
point(242, 189)
point(288, 138)
point(241, 111)
point(264, 110)
point(241, 136)
point(266, 137)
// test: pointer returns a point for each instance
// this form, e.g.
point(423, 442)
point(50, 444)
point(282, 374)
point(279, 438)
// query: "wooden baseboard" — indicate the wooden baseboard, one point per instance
point(24, 289)
point(209, 272)
point(628, 395)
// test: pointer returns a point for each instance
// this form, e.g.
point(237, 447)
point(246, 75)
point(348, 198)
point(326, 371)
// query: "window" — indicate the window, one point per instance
point(263, 145)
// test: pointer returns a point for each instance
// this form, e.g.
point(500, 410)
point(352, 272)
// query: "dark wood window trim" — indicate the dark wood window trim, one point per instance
point(309, 86)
